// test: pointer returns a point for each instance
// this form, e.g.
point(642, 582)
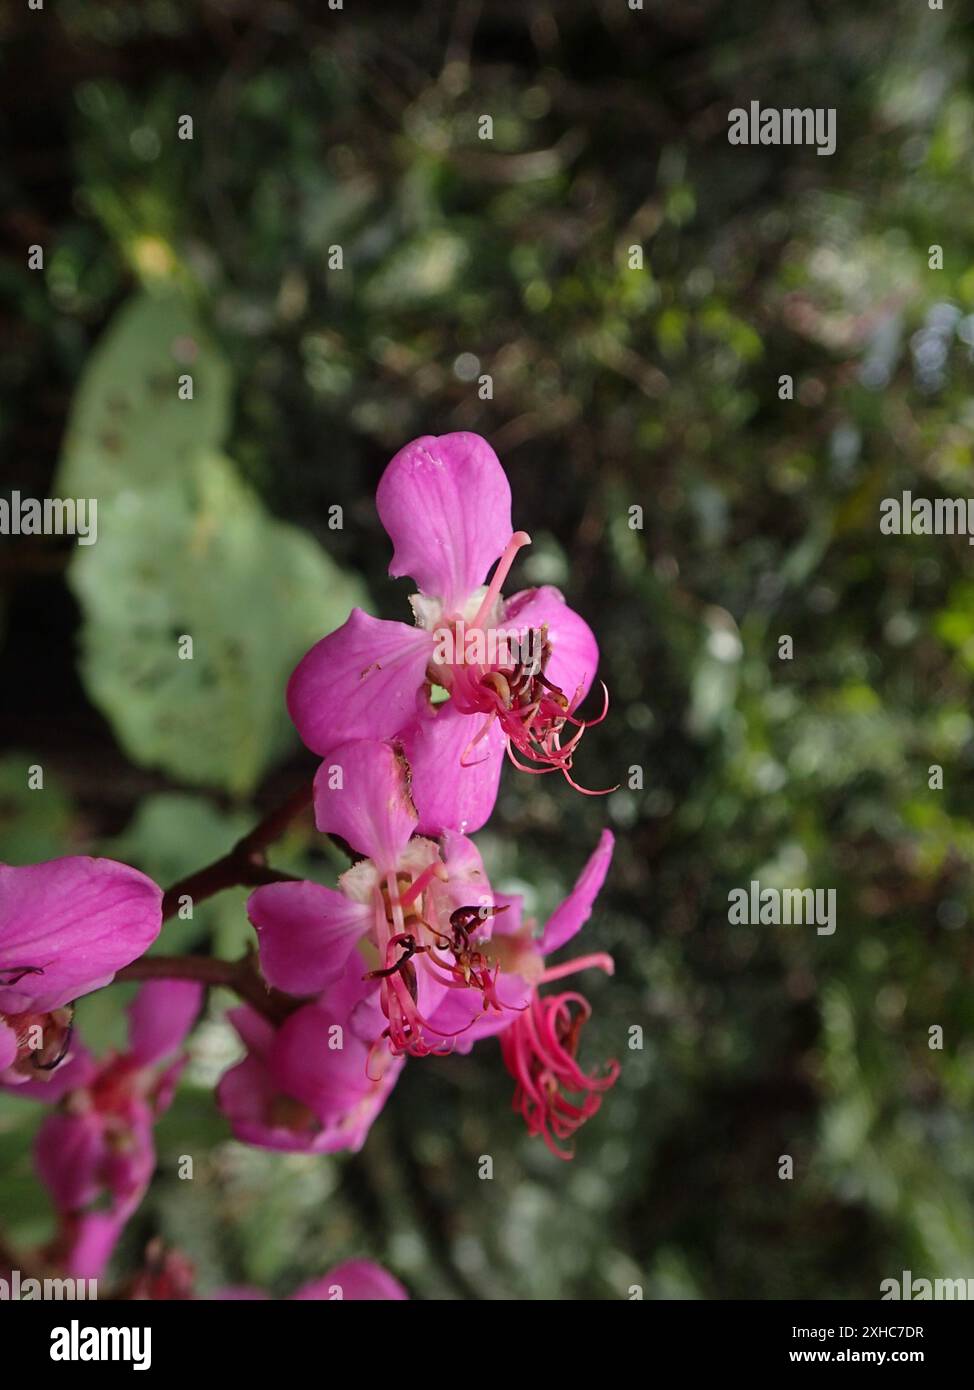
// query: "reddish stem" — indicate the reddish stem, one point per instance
point(242, 976)
point(244, 865)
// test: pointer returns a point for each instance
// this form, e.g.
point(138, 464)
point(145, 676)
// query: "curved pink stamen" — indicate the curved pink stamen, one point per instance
point(504, 564)
point(597, 961)
point(419, 885)
point(539, 1052)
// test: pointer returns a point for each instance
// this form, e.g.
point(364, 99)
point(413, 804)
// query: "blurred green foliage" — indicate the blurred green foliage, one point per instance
point(612, 388)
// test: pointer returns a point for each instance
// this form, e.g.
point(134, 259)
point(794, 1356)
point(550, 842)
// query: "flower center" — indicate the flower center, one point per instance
point(43, 1039)
point(532, 711)
point(284, 1112)
point(412, 936)
point(501, 672)
point(116, 1085)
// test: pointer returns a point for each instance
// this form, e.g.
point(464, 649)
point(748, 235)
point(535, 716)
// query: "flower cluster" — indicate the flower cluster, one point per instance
point(412, 953)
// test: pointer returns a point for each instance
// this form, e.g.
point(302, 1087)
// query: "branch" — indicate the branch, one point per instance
point(245, 865)
point(242, 976)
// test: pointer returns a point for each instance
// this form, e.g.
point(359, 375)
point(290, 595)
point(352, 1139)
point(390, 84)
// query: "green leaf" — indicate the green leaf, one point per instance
point(26, 1206)
point(201, 559)
point(128, 427)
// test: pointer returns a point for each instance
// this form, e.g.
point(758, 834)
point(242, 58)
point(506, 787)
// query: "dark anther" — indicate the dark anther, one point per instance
point(49, 1066)
point(13, 974)
point(410, 947)
point(464, 919)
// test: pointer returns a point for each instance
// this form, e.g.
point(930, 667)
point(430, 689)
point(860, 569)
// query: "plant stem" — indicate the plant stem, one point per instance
point(244, 865)
point(242, 976)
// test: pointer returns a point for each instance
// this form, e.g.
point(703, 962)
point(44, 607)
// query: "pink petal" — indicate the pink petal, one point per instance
point(160, 1016)
point(464, 864)
point(574, 912)
point(317, 1060)
point(164, 1090)
point(77, 921)
point(255, 1032)
point(508, 922)
point(306, 932)
point(357, 1280)
point(446, 504)
point(447, 794)
point(361, 794)
point(69, 1153)
point(462, 1011)
point(95, 1235)
point(362, 681)
point(574, 650)
point(352, 993)
point(75, 1071)
point(8, 1046)
point(342, 1079)
point(366, 1021)
point(127, 1170)
point(467, 884)
point(306, 1066)
point(245, 1094)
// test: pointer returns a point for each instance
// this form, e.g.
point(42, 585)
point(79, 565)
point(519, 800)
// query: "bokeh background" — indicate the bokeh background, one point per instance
point(612, 388)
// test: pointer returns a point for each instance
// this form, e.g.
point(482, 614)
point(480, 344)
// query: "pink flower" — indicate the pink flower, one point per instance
point(451, 964)
point(539, 1033)
point(66, 926)
point(97, 1147)
point(422, 911)
point(316, 1082)
point(514, 671)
